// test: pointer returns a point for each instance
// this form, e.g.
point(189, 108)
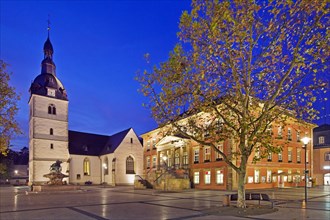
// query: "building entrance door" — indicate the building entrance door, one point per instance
point(327, 179)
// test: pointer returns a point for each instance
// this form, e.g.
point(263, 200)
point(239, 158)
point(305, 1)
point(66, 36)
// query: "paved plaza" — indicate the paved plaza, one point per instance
point(97, 202)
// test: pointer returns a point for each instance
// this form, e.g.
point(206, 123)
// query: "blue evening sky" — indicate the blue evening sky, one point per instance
point(98, 48)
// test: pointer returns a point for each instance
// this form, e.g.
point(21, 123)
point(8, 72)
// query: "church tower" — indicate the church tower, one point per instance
point(48, 121)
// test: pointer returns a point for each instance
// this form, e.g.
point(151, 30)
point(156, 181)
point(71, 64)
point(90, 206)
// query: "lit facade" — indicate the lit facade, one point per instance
point(206, 168)
point(86, 158)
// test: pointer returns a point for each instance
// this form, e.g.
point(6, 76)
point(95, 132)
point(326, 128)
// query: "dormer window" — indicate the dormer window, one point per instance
point(85, 148)
point(321, 140)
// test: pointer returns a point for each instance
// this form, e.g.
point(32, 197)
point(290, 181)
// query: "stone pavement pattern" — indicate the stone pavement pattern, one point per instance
point(95, 202)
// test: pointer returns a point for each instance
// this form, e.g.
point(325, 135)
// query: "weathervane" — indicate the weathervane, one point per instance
point(48, 26)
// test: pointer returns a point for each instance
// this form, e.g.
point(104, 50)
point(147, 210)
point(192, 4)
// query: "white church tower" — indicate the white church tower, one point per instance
point(48, 121)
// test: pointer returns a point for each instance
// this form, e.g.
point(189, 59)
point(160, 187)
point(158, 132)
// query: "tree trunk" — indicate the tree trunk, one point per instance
point(241, 190)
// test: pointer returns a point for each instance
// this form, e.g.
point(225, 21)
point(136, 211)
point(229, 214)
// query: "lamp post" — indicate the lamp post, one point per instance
point(305, 140)
point(165, 158)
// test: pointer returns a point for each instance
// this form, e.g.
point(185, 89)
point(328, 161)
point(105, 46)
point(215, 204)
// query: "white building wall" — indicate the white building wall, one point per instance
point(108, 178)
point(124, 150)
point(41, 155)
point(77, 168)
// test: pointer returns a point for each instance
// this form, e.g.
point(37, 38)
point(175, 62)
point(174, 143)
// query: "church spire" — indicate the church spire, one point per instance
point(47, 65)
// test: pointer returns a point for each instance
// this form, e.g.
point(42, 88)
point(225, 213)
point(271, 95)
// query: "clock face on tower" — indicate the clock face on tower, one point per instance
point(51, 92)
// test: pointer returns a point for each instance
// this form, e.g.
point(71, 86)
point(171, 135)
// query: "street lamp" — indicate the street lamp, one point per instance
point(305, 140)
point(165, 158)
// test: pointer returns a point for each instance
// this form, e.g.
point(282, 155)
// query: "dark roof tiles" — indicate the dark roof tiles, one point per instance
point(81, 143)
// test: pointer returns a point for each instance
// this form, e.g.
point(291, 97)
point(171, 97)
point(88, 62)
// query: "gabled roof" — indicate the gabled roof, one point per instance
point(323, 127)
point(114, 141)
point(86, 144)
point(81, 143)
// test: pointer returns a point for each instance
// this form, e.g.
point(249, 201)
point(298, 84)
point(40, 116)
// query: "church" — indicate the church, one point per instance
point(85, 157)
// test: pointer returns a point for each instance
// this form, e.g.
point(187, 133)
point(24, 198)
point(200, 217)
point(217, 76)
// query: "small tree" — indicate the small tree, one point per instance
point(8, 109)
point(244, 65)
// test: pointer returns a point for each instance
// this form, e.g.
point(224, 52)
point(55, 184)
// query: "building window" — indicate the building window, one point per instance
point(289, 134)
point(321, 140)
point(154, 159)
point(114, 164)
point(289, 176)
point(52, 109)
point(154, 143)
point(51, 131)
point(207, 154)
point(289, 155)
point(219, 125)
point(280, 157)
point(327, 156)
point(219, 176)
point(257, 153)
point(269, 156)
point(148, 145)
point(196, 155)
point(269, 176)
point(207, 177)
point(105, 166)
point(131, 140)
point(51, 146)
point(279, 132)
point(148, 162)
point(169, 159)
point(177, 160)
point(218, 156)
point(87, 167)
point(256, 176)
point(196, 177)
point(185, 158)
point(298, 136)
point(85, 148)
point(130, 165)
point(298, 155)
point(269, 129)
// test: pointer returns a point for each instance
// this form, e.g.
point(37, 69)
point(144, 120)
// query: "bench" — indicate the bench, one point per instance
point(249, 196)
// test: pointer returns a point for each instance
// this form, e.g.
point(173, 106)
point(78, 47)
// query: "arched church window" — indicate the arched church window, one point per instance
point(52, 109)
point(105, 166)
point(86, 167)
point(130, 165)
point(51, 131)
point(113, 164)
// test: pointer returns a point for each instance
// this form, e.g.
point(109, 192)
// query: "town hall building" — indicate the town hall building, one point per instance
point(85, 157)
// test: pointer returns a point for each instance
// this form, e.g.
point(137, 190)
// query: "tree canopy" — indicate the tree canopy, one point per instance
point(8, 109)
point(245, 65)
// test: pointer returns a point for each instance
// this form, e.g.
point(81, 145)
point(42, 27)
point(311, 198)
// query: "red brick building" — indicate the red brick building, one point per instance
point(206, 169)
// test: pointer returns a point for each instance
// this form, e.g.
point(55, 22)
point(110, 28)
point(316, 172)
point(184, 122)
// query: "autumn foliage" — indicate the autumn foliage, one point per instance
point(246, 65)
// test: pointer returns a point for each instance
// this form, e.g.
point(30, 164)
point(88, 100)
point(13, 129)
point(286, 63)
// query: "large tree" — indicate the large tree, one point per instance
point(244, 64)
point(8, 109)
